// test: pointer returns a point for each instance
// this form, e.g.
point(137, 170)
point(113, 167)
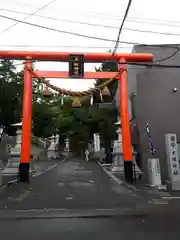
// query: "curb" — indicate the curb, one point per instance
point(129, 186)
point(132, 187)
point(110, 174)
point(42, 172)
point(120, 182)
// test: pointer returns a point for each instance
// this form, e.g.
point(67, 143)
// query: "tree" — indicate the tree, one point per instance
point(11, 96)
point(44, 119)
point(11, 89)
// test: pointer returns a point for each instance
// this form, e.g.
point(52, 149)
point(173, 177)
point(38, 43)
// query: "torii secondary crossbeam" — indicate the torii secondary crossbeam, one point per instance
point(121, 75)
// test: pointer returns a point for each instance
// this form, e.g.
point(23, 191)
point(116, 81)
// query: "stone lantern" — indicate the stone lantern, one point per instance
point(67, 145)
point(52, 150)
point(12, 169)
point(118, 165)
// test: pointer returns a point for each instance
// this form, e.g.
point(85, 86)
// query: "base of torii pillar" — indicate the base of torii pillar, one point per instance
point(24, 175)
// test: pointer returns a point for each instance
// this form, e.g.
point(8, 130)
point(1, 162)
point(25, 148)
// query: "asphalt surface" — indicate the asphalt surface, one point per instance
point(124, 228)
point(74, 184)
point(78, 200)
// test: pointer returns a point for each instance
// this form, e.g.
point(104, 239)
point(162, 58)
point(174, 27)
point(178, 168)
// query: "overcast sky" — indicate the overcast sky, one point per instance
point(142, 12)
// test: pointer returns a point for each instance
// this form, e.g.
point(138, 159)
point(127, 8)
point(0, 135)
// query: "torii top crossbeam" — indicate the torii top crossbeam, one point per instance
point(64, 56)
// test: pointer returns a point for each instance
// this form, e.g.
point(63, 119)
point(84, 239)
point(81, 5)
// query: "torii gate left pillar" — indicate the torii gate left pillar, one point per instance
point(64, 57)
point(26, 124)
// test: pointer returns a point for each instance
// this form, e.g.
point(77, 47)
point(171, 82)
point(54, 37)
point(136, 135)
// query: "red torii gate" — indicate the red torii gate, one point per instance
point(29, 56)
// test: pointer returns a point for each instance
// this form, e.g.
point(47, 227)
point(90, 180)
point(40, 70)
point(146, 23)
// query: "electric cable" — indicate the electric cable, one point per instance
point(30, 15)
point(93, 24)
point(78, 34)
point(166, 58)
point(62, 31)
point(155, 64)
point(117, 17)
point(121, 27)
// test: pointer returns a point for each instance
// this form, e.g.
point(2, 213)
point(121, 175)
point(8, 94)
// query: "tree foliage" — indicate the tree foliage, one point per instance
point(49, 116)
point(11, 90)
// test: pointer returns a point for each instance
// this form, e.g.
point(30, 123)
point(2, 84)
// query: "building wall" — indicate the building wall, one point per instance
point(156, 103)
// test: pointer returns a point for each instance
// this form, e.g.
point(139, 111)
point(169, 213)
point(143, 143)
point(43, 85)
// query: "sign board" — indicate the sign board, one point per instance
point(172, 157)
point(76, 66)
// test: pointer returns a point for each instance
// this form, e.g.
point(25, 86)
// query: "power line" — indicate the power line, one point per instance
point(77, 34)
point(131, 19)
point(166, 58)
point(118, 17)
point(92, 24)
point(139, 20)
point(39, 9)
point(81, 35)
point(61, 19)
point(154, 32)
point(66, 32)
point(122, 24)
point(155, 64)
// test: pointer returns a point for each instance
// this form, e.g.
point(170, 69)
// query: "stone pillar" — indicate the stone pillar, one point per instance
point(67, 147)
point(52, 148)
point(12, 167)
point(90, 147)
point(57, 145)
point(4, 150)
point(98, 154)
point(154, 172)
point(118, 165)
point(172, 157)
point(96, 142)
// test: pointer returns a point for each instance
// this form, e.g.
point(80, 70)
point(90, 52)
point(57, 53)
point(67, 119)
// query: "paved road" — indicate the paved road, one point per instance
point(78, 200)
point(125, 228)
point(74, 184)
